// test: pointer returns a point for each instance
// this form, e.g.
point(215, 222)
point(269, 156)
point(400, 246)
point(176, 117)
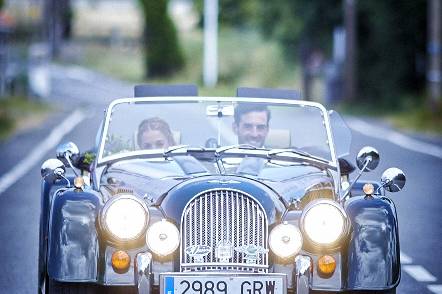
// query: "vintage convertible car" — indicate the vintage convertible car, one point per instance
point(185, 194)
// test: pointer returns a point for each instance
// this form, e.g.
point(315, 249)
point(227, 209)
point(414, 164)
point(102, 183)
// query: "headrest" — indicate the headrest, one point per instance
point(150, 90)
point(268, 93)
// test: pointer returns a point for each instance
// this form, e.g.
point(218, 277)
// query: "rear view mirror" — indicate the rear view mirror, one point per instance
point(393, 179)
point(220, 110)
point(52, 169)
point(367, 159)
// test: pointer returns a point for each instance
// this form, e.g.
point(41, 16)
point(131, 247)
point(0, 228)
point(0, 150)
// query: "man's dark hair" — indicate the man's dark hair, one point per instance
point(243, 108)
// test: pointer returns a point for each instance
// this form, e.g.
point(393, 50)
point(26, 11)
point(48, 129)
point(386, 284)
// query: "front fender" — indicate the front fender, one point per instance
point(73, 246)
point(373, 251)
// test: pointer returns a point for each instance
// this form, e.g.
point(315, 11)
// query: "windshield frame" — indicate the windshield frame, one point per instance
point(169, 100)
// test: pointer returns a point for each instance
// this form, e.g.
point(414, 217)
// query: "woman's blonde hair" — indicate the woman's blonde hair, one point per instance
point(157, 124)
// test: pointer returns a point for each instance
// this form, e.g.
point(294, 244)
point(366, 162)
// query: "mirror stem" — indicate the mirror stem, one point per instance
point(70, 164)
point(67, 180)
point(367, 162)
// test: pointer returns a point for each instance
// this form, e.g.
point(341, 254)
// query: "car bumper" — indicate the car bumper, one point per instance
point(144, 284)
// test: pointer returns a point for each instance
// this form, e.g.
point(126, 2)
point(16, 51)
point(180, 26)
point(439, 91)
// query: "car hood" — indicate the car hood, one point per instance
point(162, 187)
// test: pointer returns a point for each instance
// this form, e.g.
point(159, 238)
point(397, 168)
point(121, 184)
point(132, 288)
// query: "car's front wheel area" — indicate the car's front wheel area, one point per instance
point(54, 287)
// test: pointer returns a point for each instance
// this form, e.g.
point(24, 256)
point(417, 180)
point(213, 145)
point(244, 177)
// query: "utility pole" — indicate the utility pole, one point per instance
point(53, 26)
point(350, 50)
point(210, 71)
point(434, 48)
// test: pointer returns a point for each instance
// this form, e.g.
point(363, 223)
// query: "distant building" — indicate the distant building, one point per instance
point(104, 18)
point(24, 12)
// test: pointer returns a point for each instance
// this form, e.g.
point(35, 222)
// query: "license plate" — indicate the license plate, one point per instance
point(223, 284)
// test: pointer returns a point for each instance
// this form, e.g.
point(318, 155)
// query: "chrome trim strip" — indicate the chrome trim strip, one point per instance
point(303, 274)
point(143, 272)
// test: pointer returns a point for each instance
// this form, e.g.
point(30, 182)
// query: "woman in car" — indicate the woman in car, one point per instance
point(154, 133)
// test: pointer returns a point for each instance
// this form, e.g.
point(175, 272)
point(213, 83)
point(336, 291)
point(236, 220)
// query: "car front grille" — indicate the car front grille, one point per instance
point(224, 220)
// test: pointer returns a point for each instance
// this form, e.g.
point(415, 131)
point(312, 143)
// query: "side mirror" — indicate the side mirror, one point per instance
point(367, 159)
point(52, 169)
point(393, 179)
point(68, 153)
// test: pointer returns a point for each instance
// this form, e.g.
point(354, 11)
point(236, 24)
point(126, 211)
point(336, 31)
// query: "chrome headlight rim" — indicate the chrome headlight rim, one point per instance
point(345, 229)
point(149, 241)
point(106, 208)
point(297, 231)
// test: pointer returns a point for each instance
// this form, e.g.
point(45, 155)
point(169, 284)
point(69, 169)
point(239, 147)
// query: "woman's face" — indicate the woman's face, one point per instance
point(154, 139)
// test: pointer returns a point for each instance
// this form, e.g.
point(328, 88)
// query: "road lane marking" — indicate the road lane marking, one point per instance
point(419, 273)
point(395, 138)
point(405, 259)
point(41, 149)
point(435, 288)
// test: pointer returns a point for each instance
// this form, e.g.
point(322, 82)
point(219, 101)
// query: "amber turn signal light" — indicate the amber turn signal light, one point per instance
point(326, 265)
point(120, 261)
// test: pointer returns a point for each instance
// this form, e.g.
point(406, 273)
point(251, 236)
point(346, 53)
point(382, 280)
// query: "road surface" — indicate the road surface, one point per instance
point(82, 95)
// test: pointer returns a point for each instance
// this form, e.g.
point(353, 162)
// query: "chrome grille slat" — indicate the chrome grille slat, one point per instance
point(223, 214)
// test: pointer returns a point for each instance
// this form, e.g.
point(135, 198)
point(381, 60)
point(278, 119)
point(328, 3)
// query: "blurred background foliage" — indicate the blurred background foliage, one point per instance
point(261, 43)
point(162, 51)
point(232, 13)
point(301, 26)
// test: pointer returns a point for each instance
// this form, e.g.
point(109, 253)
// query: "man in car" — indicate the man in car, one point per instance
point(251, 123)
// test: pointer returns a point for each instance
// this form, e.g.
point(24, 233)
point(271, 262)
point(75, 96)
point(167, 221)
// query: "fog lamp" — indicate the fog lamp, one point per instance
point(285, 240)
point(163, 238)
point(326, 265)
point(120, 261)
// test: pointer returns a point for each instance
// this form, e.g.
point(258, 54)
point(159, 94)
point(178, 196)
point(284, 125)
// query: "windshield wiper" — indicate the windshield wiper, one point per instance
point(293, 151)
point(174, 148)
point(221, 150)
point(279, 153)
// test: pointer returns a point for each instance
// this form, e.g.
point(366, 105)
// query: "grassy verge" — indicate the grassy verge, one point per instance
point(411, 114)
point(18, 113)
point(419, 119)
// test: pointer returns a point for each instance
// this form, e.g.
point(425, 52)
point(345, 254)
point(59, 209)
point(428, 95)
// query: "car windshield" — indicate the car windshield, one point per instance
point(157, 125)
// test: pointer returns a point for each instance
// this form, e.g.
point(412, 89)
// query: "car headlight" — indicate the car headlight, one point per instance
point(285, 240)
point(163, 238)
point(324, 222)
point(125, 217)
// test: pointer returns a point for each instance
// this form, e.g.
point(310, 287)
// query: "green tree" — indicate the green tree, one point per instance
point(300, 25)
point(232, 12)
point(391, 40)
point(163, 55)
point(391, 49)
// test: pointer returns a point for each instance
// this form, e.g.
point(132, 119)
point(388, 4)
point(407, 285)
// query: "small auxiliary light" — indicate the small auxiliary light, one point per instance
point(368, 189)
point(120, 261)
point(79, 182)
point(326, 265)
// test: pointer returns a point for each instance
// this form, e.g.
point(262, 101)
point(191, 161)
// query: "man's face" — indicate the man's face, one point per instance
point(252, 128)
